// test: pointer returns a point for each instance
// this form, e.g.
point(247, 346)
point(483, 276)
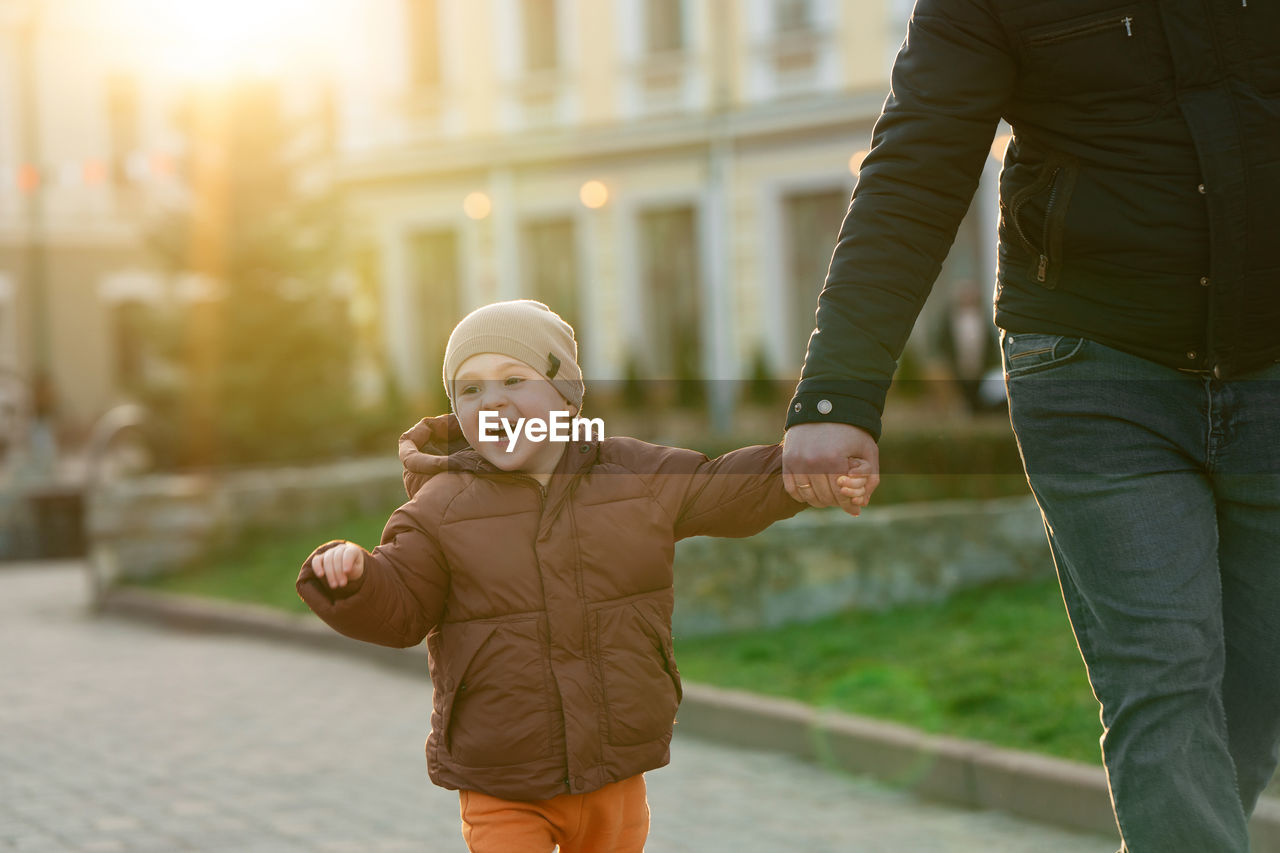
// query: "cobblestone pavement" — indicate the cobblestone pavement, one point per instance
point(115, 736)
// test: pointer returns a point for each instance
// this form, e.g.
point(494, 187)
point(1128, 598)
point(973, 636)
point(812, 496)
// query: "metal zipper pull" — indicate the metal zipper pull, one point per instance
point(1128, 23)
point(1040, 270)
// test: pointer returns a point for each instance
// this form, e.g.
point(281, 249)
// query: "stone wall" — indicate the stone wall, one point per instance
point(818, 563)
point(823, 561)
point(161, 523)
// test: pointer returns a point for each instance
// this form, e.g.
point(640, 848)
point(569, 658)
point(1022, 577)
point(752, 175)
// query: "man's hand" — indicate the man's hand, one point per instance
point(830, 465)
point(340, 565)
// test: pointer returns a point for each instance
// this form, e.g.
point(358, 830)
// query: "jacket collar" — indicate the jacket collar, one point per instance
point(577, 457)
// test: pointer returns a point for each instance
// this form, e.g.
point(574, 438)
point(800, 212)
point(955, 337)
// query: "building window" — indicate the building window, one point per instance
point(433, 270)
point(670, 279)
point(541, 45)
point(664, 74)
point(792, 15)
point(664, 25)
point(422, 27)
point(797, 44)
point(550, 258)
point(811, 224)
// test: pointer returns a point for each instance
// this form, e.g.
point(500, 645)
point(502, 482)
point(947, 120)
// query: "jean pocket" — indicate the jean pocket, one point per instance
point(1026, 353)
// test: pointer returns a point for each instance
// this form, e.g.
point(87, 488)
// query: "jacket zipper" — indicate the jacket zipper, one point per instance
point(521, 477)
point(1048, 212)
point(533, 481)
point(1043, 266)
point(1084, 29)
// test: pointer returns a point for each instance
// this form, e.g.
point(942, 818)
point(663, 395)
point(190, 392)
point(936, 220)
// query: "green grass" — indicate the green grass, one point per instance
point(912, 488)
point(263, 567)
point(996, 664)
point(251, 570)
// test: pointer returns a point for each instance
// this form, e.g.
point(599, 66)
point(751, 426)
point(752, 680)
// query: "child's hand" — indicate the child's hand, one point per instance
point(853, 491)
point(339, 565)
point(812, 453)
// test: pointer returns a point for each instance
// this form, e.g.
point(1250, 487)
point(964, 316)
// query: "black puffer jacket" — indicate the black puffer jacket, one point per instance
point(1139, 201)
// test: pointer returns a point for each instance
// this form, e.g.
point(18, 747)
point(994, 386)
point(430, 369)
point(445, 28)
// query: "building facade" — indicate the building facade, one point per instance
point(87, 154)
point(669, 175)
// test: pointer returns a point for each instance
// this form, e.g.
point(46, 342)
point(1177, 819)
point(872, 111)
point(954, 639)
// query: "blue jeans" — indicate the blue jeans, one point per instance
point(1160, 492)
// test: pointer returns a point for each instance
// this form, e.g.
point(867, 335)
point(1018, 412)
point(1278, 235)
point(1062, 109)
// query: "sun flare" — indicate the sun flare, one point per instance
point(199, 40)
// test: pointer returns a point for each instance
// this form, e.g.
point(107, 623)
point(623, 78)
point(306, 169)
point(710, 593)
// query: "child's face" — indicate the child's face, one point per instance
point(489, 382)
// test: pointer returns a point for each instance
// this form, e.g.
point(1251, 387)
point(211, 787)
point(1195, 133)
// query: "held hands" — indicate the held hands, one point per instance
point(339, 565)
point(830, 464)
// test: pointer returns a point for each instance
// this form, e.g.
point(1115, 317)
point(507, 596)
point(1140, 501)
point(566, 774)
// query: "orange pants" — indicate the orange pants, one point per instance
point(613, 819)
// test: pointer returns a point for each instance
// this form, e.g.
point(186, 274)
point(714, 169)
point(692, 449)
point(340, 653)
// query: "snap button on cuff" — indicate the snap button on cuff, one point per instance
point(824, 407)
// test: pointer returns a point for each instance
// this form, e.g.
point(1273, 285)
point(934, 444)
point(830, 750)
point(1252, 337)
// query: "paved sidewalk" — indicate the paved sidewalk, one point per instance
point(122, 737)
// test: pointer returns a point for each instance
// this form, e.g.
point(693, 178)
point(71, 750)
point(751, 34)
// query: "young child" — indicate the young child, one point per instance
point(540, 574)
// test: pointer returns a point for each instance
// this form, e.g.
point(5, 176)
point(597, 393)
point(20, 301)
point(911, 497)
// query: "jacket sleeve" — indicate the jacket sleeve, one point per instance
point(737, 494)
point(401, 594)
point(950, 83)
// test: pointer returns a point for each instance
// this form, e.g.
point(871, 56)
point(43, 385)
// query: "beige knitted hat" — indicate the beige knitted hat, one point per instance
point(522, 329)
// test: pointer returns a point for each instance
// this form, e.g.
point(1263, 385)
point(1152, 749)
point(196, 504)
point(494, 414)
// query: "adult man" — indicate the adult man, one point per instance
point(1139, 301)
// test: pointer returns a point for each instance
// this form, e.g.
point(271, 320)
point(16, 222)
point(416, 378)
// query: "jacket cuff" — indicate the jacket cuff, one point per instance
point(811, 407)
point(316, 591)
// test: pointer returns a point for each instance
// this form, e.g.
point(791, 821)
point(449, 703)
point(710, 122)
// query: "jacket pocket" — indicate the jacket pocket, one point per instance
point(1037, 215)
point(1259, 29)
point(496, 712)
point(660, 632)
point(640, 684)
point(1026, 353)
point(1102, 52)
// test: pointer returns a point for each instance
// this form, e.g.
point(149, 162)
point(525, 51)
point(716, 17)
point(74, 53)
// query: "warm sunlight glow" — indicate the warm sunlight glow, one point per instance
point(999, 145)
point(198, 40)
point(855, 162)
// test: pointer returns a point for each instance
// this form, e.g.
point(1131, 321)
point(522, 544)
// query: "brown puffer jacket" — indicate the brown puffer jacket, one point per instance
point(547, 612)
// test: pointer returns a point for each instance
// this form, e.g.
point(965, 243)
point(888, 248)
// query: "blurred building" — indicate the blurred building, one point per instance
point(93, 158)
point(84, 149)
point(669, 175)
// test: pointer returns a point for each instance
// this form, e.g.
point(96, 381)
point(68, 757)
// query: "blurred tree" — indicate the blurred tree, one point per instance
point(265, 355)
point(762, 388)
